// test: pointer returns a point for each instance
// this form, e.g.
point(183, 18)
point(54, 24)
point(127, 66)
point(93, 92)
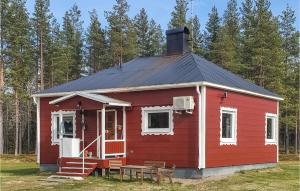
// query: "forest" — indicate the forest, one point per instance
point(38, 52)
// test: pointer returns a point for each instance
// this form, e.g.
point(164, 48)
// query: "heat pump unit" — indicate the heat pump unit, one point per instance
point(183, 103)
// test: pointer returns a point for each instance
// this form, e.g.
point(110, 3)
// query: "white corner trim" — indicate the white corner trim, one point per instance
point(277, 131)
point(233, 140)
point(38, 129)
point(275, 125)
point(201, 125)
point(157, 109)
point(61, 113)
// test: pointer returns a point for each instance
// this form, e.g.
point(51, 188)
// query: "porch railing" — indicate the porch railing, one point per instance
point(114, 147)
point(83, 154)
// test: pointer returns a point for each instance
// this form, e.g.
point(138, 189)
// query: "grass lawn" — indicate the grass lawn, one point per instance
point(21, 173)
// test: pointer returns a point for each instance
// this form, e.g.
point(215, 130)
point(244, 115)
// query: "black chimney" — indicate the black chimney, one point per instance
point(177, 41)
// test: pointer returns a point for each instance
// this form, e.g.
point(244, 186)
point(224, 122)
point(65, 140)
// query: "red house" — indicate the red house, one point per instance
point(178, 108)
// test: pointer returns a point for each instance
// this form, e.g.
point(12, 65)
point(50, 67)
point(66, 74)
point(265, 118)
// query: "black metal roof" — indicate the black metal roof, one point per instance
point(146, 71)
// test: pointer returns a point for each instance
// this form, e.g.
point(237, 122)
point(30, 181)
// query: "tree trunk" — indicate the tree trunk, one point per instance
point(296, 134)
point(17, 122)
point(52, 73)
point(1, 94)
point(42, 59)
point(296, 139)
point(286, 134)
point(287, 140)
point(28, 125)
point(1, 103)
point(20, 134)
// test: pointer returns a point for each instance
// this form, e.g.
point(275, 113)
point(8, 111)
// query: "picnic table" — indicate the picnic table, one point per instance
point(133, 167)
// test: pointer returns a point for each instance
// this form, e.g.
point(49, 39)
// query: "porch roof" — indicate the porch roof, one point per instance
point(96, 97)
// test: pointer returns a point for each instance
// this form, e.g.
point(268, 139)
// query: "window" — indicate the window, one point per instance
point(157, 120)
point(63, 125)
point(270, 128)
point(111, 125)
point(228, 126)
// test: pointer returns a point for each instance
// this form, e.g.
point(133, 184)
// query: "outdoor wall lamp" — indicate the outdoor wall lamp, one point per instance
point(225, 95)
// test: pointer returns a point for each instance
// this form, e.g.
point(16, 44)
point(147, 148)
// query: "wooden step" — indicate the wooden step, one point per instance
point(77, 168)
point(91, 163)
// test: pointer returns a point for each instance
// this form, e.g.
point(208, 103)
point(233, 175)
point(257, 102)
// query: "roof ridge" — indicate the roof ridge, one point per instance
point(197, 65)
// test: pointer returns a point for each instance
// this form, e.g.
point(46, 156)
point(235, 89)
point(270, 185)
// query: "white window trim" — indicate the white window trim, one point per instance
point(54, 140)
point(233, 140)
point(274, 117)
point(157, 109)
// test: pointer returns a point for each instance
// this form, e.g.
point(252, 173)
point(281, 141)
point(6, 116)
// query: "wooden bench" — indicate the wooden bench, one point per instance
point(155, 165)
point(114, 165)
point(163, 172)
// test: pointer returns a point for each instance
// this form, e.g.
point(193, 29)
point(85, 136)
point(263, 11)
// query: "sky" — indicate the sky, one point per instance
point(159, 10)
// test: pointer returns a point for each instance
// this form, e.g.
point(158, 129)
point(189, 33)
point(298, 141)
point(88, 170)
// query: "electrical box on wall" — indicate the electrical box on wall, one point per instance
point(184, 103)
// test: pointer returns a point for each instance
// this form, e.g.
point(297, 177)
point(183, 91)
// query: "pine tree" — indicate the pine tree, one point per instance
point(57, 56)
point(212, 36)
point(72, 32)
point(178, 15)
point(41, 24)
point(196, 45)
point(3, 38)
point(121, 33)
point(268, 57)
point(156, 39)
point(130, 42)
point(96, 45)
point(247, 37)
point(141, 25)
point(289, 35)
point(290, 48)
point(19, 59)
point(229, 39)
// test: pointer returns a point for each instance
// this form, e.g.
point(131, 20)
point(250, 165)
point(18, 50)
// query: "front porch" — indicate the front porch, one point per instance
point(100, 135)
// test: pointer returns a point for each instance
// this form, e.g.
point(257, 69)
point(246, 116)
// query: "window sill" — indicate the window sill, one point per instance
point(228, 142)
point(270, 142)
point(157, 133)
point(55, 143)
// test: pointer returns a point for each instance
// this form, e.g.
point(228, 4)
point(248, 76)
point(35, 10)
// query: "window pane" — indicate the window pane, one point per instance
point(269, 128)
point(226, 125)
point(110, 125)
point(57, 127)
point(158, 120)
point(68, 126)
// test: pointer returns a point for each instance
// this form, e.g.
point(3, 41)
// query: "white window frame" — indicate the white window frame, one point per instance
point(54, 139)
point(233, 140)
point(274, 128)
point(158, 131)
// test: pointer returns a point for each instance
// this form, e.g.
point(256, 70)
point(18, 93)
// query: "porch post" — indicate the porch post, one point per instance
point(98, 133)
point(124, 130)
point(103, 132)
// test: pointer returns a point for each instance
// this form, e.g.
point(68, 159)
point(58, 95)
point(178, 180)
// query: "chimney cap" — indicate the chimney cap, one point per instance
point(178, 30)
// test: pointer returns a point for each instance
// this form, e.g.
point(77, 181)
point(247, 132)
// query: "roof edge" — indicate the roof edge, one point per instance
point(158, 87)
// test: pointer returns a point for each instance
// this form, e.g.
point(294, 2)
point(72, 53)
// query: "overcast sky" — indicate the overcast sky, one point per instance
point(159, 10)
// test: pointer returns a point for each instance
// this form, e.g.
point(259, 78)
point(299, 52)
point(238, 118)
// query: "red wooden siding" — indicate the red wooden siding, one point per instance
point(49, 153)
point(114, 147)
point(180, 149)
point(250, 148)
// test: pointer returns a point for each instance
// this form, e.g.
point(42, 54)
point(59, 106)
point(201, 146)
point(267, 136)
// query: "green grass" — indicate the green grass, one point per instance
point(21, 173)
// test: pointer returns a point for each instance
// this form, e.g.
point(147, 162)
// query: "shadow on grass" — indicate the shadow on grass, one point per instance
point(21, 172)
